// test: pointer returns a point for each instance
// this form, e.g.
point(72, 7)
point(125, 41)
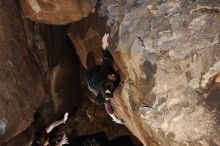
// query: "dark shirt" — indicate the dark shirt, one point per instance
point(97, 75)
point(100, 73)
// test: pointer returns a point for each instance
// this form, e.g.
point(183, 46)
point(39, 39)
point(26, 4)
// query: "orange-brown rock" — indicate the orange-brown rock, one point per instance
point(166, 51)
point(20, 82)
point(57, 11)
point(90, 40)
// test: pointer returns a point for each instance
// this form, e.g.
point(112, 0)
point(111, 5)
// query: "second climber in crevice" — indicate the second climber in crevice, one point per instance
point(102, 79)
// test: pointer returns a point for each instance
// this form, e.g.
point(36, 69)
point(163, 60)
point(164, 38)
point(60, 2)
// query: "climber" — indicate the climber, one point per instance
point(102, 79)
point(43, 137)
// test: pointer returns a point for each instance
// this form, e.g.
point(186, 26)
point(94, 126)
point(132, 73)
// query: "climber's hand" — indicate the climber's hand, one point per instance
point(63, 141)
point(105, 41)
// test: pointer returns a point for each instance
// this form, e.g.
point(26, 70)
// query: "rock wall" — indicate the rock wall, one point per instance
point(60, 67)
point(166, 52)
point(20, 80)
point(57, 11)
point(87, 36)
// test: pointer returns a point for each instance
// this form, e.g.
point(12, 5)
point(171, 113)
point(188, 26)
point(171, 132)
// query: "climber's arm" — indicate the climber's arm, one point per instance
point(56, 123)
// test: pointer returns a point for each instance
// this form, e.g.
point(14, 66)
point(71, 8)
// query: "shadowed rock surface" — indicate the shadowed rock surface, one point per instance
point(21, 88)
point(62, 84)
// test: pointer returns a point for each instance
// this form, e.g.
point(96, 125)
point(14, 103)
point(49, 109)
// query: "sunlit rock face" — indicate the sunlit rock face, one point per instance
point(166, 52)
point(57, 11)
point(20, 82)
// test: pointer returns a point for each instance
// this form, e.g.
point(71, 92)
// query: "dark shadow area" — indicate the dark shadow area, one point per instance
point(64, 81)
point(121, 141)
point(100, 139)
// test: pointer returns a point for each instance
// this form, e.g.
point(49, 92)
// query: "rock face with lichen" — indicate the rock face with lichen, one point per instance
point(20, 80)
point(166, 52)
point(57, 11)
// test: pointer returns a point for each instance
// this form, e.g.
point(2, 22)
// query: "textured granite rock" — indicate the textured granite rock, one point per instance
point(57, 11)
point(166, 52)
point(20, 82)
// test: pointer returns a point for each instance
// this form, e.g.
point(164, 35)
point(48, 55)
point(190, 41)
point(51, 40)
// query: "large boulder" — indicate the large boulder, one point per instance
point(20, 83)
point(57, 11)
point(166, 51)
point(53, 52)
